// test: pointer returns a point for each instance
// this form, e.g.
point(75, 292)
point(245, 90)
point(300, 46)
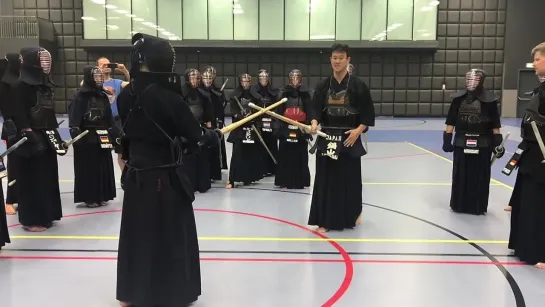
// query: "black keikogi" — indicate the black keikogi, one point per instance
point(94, 178)
point(292, 171)
point(217, 155)
point(197, 163)
point(267, 95)
point(158, 259)
point(34, 117)
point(474, 116)
point(247, 161)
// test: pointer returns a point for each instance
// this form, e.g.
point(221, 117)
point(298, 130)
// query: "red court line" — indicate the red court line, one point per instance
point(349, 266)
point(283, 260)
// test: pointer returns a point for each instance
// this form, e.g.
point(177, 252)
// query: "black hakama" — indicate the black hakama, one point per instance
point(12, 167)
point(527, 236)
point(158, 259)
point(197, 168)
point(94, 177)
point(336, 196)
point(4, 232)
point(470, 181)
point(514, 203)
point(247, 165)
point(38, 193)
point(215, 158)
point(292, 171)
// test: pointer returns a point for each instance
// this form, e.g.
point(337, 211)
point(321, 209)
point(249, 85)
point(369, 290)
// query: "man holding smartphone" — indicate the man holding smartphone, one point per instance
point(113, 87)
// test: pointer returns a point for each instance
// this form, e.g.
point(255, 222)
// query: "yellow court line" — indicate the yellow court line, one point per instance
point(494, 181)
point(368, 240)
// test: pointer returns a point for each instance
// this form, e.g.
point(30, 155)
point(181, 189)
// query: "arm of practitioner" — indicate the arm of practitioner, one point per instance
point(450, 122)
point(366, 111)
point(494, 115)
point(187, 125)
point(317, 105)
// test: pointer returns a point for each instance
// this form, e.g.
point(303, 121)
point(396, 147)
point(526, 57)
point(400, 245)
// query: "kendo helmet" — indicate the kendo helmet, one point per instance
point(157, 54)
point(193, 77)
point(245, 80)
point(475, 79)
point(295, 78)
point(263, 77)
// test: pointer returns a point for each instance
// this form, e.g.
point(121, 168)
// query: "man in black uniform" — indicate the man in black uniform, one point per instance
point(527, 235)
point(34, 117)
point(197, 164)
point(158, 259)
point(217, 155)
point(9, 131)
point(475, 118)
point(94, 178)
point(4, 232)
point(344, 108)
point(267, 95)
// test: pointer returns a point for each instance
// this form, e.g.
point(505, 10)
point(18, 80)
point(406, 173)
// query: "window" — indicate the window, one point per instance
point(265, 20)
point(195, 19)
point(246, 20)
point(296, 20)
point(271, 20)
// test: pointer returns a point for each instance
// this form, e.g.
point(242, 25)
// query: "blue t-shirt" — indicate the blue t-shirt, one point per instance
point(114, 86)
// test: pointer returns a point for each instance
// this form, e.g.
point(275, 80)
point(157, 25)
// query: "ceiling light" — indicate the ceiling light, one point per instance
point(88, 18)
point(110, 6)
point(434, 3)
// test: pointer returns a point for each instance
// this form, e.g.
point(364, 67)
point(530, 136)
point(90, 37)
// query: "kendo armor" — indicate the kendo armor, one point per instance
point(193, 78)
point(532, 114)
point(470, 117)
point(35, 69)
point(96, 115)
point(294, 106)
point(339, 112)
point(245, 81)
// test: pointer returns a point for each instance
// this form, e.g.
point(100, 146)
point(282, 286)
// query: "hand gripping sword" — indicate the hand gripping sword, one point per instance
point(257, 132)
point(539, 139)
point(500, 148)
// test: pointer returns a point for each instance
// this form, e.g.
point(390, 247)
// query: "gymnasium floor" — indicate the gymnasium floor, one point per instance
point(411, 250)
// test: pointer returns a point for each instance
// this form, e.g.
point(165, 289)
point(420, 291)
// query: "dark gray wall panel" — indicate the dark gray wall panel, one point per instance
point(405, 83)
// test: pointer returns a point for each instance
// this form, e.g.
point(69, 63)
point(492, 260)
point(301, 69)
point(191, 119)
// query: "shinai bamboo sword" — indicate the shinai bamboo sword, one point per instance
point(539, 139)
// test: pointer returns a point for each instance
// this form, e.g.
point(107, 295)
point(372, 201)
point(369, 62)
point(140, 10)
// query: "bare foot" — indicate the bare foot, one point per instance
point(124, 304)
point(540, 265)
point(360, 218)
point(322, 230)
point(35, 228)
point(229, 186)
point(10, 209)
point(508, 209)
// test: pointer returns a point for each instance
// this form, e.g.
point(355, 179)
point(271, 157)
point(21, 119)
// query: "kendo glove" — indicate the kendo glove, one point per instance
point(211, 137)
point(498, 151)
point(74, 131)
point(447, 142)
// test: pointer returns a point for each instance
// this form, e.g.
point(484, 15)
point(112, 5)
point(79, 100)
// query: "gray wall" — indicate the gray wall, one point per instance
point(525, 31)
point(471, 34)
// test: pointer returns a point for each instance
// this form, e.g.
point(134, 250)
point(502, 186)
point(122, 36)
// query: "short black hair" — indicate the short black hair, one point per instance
point(337, 47)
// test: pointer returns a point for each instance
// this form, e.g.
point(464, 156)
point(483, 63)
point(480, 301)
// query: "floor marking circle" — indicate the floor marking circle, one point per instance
point(346, 259)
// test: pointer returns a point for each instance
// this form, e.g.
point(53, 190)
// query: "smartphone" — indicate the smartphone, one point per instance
point(112, 65)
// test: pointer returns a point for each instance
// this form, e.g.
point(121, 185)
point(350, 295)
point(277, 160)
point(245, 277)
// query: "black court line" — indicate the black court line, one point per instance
point(515, 288)
point(269, 252)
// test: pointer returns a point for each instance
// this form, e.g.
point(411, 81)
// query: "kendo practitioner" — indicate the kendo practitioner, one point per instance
point(474, 117)
point(527, 236)
point(292, 171)
point(94, 178)
point(34, 117)
point(9, 131)
point(4, 232)
point(267, 95)
point(217, 155)
point(247, 162)
point(197, 163)
point(344, 108)
point(158, 259)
